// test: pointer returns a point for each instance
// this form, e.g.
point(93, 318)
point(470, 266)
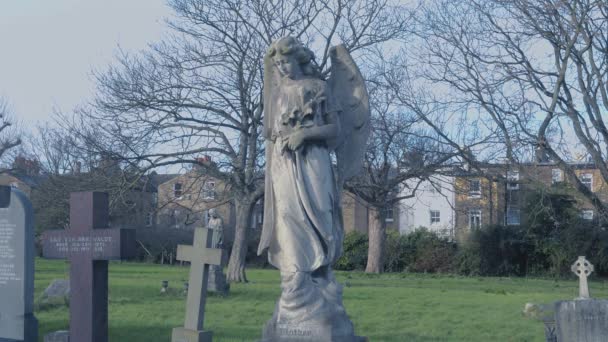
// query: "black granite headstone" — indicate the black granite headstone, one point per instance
point(17, 322)
point(88, 245)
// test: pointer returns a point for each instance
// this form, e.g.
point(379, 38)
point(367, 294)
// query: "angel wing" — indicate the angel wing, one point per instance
point(270, 92)
point(348, 88)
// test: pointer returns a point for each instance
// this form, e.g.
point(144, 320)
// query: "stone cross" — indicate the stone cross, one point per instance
point(583, 269)
point(17, 321)
point(201, 256)
point(88, 245)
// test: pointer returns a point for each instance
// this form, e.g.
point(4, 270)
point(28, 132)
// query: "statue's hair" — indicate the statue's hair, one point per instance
point(292, 46)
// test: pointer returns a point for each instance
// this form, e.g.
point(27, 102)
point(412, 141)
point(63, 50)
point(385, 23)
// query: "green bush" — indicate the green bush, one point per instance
point(425, 251)
point(354, 256)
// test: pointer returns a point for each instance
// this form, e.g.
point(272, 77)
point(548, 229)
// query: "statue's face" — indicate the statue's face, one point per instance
point(213, 213)
point(288, 66)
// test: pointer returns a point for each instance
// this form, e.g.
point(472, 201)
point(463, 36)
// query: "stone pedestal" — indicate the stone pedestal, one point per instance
point(217, 281)
point(339, 330)
point(310, 309)
point(582, 320)
point(186, 335)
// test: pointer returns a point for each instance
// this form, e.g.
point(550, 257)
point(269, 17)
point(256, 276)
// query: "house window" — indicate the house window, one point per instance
point(177, 190)
point(474, 188)
point(175, 215)
point(513, 180)
point(208, 190)
point(435, 216)
point(513, 216)
point(587, 214)
point(389, 215)
point(557, 176)
point(475, 219)
point(205, 217)
point(587, 180)
point(150, 219)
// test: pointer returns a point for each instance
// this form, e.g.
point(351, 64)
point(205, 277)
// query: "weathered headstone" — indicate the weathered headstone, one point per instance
point(583, 319)
point(88, 245)
point(17, 322)
point(56, 294)
point(200, 255)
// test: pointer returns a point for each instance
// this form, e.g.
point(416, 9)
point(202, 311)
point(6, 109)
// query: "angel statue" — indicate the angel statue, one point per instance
point(306, 119)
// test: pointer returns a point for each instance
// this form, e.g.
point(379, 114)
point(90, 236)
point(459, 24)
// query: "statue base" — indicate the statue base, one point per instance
point(310, 309)
point(339, 330)
point(217, 281)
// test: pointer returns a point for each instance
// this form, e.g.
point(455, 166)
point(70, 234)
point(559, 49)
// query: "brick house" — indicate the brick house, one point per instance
point(497, 194)
point(356, 214)
point(184, 201)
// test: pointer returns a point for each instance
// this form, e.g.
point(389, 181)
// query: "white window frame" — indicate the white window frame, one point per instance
point(435, 219)
point(508, 218)
point(389, 214)
point(474, 193)
point(587, 176)
point(475, 213)
point(208, 190)
point(557, 176)
point(513, 180)
point(180, 190)
point(587, 214)
point(150, 219)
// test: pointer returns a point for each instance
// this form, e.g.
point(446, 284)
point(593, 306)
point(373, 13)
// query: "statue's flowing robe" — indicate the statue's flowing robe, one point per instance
point(302, 227)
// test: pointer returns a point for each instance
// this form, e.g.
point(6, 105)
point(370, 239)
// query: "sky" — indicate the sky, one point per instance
point(50, 47)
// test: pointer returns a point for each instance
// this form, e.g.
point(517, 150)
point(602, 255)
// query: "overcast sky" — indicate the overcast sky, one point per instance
point(49, 47)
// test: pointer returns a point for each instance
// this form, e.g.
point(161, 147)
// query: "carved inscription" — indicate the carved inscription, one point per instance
point(81, 244)
point(7, 252)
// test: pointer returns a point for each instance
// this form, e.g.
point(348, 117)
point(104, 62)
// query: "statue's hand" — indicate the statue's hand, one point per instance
point(295, 140)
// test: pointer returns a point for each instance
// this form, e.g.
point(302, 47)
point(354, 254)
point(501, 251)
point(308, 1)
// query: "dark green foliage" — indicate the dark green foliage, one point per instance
point(421, 251)
point(354, 256)
point(550, 239)
point(495, 250)
point(425, 251)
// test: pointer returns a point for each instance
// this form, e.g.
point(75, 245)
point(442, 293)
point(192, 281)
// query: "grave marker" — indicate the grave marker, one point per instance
point(17, 322)
point(583, 319)
point(582, 268)
point(201, 256)
point(88, 245)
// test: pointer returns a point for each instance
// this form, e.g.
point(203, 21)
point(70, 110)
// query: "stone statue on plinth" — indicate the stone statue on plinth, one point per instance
point(306, 119)
point(217, 279)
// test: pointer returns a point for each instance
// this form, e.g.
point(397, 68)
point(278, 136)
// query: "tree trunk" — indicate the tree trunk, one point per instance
point(236, 266)
point(377, 240)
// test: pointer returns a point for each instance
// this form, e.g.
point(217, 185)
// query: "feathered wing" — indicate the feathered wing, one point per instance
point(348, 88)
point(271, 81)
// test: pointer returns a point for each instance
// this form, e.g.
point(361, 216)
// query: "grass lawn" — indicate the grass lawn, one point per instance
point(390, 307)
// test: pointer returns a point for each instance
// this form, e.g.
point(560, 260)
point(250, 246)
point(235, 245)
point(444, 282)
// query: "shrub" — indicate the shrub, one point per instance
point(425, 251)
point(354, 256)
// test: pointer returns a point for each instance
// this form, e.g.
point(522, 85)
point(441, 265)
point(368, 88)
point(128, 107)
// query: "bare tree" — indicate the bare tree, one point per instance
point(533, 71)
point(9, 137)
point(199, 92)
point(401, 154)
